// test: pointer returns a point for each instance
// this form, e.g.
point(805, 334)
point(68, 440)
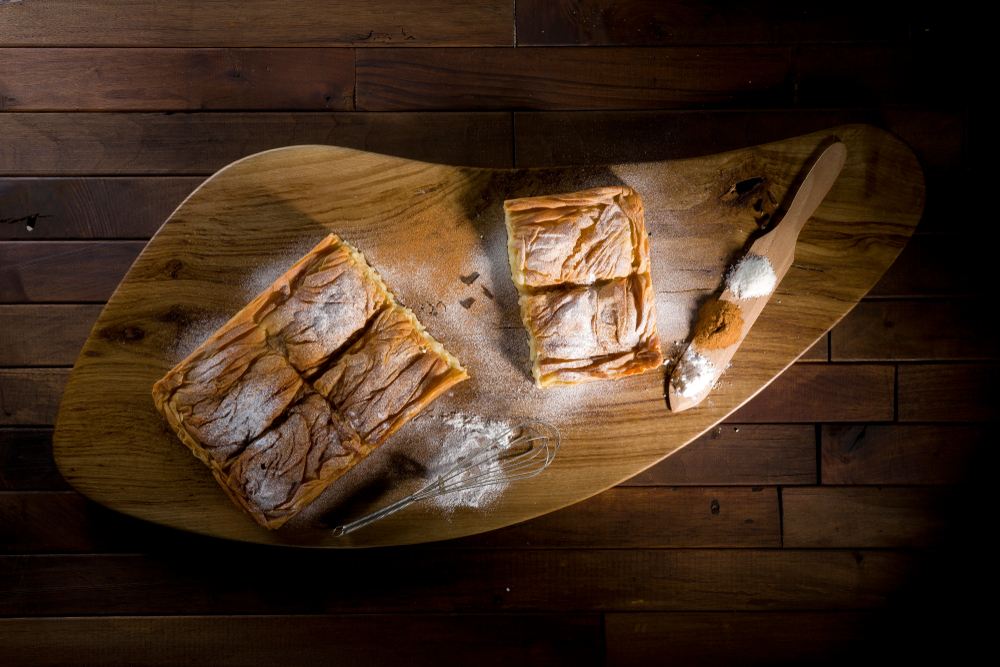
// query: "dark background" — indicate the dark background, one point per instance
point(849, 496)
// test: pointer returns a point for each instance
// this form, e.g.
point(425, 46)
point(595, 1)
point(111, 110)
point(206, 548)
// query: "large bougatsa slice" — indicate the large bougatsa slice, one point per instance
point(389, 375)
point(581, 333)
point(577, 238)
point(227, 392)
point(319, 304)
point(288, 466)
point(580, 262)
point(242, 401)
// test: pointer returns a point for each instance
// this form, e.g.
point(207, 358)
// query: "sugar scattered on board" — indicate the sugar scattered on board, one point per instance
point(753, 276)
point(694, 374)
point(468, 434)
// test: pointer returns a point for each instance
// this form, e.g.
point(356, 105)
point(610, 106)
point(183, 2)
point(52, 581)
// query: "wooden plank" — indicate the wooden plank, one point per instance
point(504, 640)
point(640, 518)
point(948, 393)
point(637, 518)
point(901, 453)
point(185, 79)
point(758, 638)
point(89, 208)
point(873, 75)
point(184, 579)
point(926, 330)
point(47, 335)
point(26, 460)
point(824, 393)
point(258, 23)
point(54, 144)
point(601, 137)
point(65, 521)
point(30, 397)
point(863, 517)
point(567, 78)
point(820, 351)
point(938, 265)
point(48, 271)
point(657, 22)
point(757, 454)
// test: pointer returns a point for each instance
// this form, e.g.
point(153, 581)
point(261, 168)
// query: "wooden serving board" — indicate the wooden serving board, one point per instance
point(436, 234)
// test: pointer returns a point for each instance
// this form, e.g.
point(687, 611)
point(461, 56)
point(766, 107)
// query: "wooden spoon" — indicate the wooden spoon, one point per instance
point(778, 246)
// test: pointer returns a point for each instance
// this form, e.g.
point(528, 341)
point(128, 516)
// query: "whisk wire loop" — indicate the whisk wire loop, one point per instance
point(520, 453)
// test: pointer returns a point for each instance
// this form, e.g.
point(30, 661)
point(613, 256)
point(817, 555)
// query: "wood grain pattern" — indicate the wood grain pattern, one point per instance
point(176, 79)
point(379, 204)
point(89, 208)
point(54, 144)
point(758, 454)
point(820, 351)
point(947, 393)
point(642, 518)
point(713, 638)
point(836, 517)
point(557, 78)
point(638, 518)
point(873, 75)
point(31, 397)
point(824, 393)
point(554, 139)
point(915, 331)
point(26, 460)
point(258, 23)
point(902, 453)
point(504, 640)
point(46, 272)
point(659, 22)
point(44, 335)
point(468, 581)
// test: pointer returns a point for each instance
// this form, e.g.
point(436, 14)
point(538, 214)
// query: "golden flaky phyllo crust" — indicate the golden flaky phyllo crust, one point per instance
point(580, 262)
point(304, 382)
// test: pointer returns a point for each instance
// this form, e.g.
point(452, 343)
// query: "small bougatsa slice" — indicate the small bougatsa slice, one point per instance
point(576, 238)
point(227, 392)
point(592, 332)
point(319, 304)
point(288, 466)
point(389, 375)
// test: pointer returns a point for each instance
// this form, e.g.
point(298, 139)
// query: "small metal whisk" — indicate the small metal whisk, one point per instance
point(520, 453)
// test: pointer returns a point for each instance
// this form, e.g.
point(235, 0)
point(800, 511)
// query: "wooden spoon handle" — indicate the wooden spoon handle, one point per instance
point(778, 246)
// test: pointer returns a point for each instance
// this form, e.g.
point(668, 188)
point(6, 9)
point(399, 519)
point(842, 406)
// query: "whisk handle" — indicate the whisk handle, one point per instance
point(340, 531)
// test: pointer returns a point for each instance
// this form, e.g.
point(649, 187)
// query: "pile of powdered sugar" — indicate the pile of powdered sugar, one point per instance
point(468, 434)
point(753, 276)
point(694, 374)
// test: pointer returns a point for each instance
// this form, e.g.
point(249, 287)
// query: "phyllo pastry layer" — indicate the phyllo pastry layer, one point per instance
point(580, 262)
point(389, 375)
point(244, 404)
point(290, 464)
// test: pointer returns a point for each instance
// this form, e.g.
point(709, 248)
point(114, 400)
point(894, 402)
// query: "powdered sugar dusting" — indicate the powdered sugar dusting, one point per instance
point(468, 434)
point(192, 335)
point(264, 274)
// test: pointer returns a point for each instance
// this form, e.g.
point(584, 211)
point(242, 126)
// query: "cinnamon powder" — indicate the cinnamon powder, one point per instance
point(720, 324)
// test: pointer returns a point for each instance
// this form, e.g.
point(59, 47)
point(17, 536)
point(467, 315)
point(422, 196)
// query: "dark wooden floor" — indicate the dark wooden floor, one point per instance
point(834, 517)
